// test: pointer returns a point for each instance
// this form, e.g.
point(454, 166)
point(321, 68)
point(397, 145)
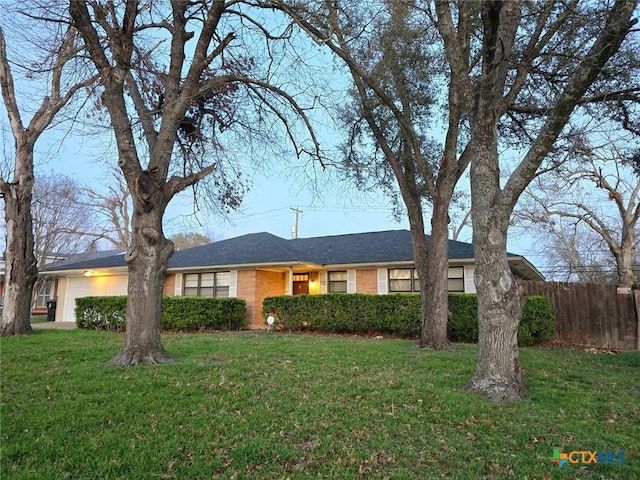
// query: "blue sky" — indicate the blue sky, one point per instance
point(267, 206)
point(334, 208)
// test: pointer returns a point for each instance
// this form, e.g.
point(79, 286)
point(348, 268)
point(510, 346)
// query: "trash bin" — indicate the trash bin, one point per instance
point(51, 311)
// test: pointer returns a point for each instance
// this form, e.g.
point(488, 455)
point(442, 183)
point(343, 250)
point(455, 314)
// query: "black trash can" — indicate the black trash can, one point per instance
point(51, 311)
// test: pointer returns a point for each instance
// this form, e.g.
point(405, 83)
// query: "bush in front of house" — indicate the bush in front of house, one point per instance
point(398, 314)
point(463, 321)
point(178, 313)
point(347, 313)
point(101, 313)
point(538, 321)
point(537, 324)
point(197, 313)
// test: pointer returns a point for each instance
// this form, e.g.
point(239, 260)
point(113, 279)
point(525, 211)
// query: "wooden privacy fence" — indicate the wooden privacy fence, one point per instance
point(591, 314)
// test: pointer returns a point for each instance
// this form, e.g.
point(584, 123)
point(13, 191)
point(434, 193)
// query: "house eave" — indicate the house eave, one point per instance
point(525, 269)
point(244, 266)
point(79, 272)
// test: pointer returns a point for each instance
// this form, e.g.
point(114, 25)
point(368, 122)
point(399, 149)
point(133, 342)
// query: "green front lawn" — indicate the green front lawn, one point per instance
point(270, 406)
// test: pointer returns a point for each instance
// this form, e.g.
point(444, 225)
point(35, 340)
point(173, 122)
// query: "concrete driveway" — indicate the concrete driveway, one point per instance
point(55, 325)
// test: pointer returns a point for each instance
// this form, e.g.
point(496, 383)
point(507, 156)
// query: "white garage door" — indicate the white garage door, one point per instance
point(91, 287)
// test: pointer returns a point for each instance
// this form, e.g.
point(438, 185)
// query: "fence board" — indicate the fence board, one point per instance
point(591, 314)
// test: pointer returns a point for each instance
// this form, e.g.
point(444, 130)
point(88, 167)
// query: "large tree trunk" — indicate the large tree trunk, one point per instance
point(21, 270)
point(147, 258)
point(434, 280)
point(432, 335)
point(498, 374)
point(624, 261)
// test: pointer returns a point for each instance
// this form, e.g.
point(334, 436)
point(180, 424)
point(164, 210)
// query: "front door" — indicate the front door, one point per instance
point(300, 283)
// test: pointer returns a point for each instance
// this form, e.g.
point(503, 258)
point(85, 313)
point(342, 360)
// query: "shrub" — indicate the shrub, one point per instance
point(196, 313)
point(178, 313)
point(398, 314)
point(463, 322)
point(101, 313)
point(538, 321)
point(347, 313)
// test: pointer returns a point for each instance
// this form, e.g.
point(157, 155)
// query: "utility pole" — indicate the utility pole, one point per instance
point(295, 227)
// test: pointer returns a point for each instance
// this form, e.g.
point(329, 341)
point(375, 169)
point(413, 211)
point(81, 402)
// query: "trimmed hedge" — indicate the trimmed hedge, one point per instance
point(540, 321)
point(347, 313)
point(195, 313)
point(101, 313)
point(178, 313)
point(398, 314)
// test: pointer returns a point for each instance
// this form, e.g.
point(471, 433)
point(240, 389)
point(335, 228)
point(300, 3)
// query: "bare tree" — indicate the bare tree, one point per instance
point(61, 223)
point(111, 210)
point(514, 74)
point(16, 184)
point(178, 79)
point(189, 240)
point(588, 208)
point(387, 48)
point(533, 64)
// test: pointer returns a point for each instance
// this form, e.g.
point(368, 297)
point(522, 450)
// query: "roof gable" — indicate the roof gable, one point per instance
point(247, 249)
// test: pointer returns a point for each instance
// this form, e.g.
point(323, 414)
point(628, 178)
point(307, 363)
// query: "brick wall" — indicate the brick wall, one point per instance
point(247, 292)
point(254, 286)
point(170, 284)
point(268, 284)
point(367, 281)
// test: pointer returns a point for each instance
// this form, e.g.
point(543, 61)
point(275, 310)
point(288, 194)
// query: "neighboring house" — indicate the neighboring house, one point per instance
point(43, 290)
point(259, 265)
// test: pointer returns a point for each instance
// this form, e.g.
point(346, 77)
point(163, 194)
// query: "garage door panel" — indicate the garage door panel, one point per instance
point(92, 287)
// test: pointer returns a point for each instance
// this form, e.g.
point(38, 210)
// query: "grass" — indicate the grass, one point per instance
point(269, 406)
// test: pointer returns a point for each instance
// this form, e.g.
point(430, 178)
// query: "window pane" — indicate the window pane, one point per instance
point(338, 276)
point(223, 279)
point(43, 295)
point(456, 285)
point(222, 291)
point(400, 285)
point(338, 287)
point(415, 273)
point(191, 291)
point(206, 279)
point(400, 273)
point(190, 280)
point(206, 291)
point(456, 272)
point(416, 285)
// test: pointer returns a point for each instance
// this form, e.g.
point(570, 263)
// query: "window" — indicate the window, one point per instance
point(338, 282)
point(210, 284)
point(300, 277)
point(406, 280)
point(456, 279)
point(403, 280)
point(44, 292)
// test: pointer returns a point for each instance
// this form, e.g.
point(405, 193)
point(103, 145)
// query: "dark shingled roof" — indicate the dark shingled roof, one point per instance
point(265, 248)
point(88, 260)
point(247, 249)
point(357, 248)
point(371, 247)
